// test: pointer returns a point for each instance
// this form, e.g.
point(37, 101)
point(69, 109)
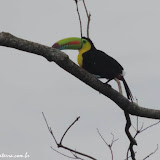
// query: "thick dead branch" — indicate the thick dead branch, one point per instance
point(64, 62)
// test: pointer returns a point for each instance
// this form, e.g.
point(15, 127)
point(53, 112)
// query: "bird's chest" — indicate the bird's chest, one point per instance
point(87, 61)
point(83, 56)
point(80, 59)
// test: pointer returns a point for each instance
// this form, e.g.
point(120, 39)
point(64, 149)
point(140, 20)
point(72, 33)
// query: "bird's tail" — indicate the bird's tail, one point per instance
point(128, 91)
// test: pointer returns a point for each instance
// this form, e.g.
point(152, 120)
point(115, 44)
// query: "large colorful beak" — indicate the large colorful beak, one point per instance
point(69, 43)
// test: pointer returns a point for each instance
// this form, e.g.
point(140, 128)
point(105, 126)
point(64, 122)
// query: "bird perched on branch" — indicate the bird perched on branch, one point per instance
point(94, 61)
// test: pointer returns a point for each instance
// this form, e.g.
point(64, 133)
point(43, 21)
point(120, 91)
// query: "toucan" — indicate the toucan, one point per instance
point(94, 61)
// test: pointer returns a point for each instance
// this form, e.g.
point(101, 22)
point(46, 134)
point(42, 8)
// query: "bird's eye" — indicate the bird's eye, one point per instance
point(84, 41)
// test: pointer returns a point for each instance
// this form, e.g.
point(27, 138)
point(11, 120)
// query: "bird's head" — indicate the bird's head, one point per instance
point(74, 43)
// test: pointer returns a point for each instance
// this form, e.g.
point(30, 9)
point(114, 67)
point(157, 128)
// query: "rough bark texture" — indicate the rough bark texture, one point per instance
point(64, 62)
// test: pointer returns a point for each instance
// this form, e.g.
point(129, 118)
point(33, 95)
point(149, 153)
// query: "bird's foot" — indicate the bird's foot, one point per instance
point(106, 83)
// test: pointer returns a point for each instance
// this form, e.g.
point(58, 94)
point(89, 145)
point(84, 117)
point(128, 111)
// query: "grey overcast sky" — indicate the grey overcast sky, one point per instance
point(128, 30)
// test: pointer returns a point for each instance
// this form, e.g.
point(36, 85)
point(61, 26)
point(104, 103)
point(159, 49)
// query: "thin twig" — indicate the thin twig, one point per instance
point(68, 129)
point(137, 123)
point(138, 131)
point(71, 150)
point(89, 18)
point(151, 153)
point(49, 128)
point(109, 145)
point(113, 140)
point(150, 126)
point(80, 22)
point(75, 155)
point(64, 154)
point(85, 8)
point(102, 137)
point(59, 145)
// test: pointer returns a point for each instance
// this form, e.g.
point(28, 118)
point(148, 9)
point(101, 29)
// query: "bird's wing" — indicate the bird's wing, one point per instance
point(99, 63)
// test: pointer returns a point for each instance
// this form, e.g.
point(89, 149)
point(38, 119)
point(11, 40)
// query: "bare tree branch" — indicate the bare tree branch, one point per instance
point(138, 131)
point(141, 130)
point(64, 62)
point(88, 16)
point(109, 145)
point(49, 129)
point(65, 154)
point(132, 140)
point(80, 22)
point(151, 153)
point(75, 155)
point(127, 127)
point(60, 145)
point(68, 129)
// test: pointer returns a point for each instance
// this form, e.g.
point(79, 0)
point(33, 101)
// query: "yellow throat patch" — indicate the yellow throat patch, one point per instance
point(86, 47)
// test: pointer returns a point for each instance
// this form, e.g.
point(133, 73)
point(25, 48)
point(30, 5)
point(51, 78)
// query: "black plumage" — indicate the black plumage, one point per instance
point(100, 64)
